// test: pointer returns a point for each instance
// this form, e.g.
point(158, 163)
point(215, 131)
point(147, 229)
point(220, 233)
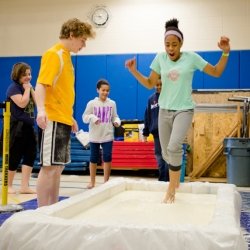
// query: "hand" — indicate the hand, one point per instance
point(27, 85)
point(144, 138)
point(75, 126)
point(224, 44)
point(42, 119)
point(97, 122)
point(131, 64)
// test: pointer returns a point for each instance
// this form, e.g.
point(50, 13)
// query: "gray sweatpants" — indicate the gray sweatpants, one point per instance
point(173, 127)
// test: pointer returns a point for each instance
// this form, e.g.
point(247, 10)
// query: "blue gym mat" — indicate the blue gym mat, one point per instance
point(245, 216)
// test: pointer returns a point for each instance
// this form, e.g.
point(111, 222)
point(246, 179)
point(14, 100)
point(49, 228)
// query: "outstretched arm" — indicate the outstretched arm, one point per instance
point(218, 69)
point(148, 82)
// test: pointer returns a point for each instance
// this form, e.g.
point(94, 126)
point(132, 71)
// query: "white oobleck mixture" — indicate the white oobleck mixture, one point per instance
point(125, 214)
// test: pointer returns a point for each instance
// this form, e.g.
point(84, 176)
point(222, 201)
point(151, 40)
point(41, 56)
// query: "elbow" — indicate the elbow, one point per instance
point(217, 73)
point(150, 84)
point(23, 105)
point(85, 119)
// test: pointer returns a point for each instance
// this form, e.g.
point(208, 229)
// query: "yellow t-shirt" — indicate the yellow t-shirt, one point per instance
point(57, 74)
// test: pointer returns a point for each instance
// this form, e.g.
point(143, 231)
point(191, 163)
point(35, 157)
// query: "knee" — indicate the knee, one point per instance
point(174, 168)
point(174, 147)
point(13, 166)
point(94, 158)
point(107, 157)
point(51, 171)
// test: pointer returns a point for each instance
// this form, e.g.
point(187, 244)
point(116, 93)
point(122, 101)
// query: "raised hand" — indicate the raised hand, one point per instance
point(130, 64)
point(224, 44)
point(116, 124)
point(27, 85)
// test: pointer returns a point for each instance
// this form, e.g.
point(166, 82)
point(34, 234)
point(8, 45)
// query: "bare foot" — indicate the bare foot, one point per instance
point(169, 198)
point(27, 191)
point(11, 190)
point(90, 185)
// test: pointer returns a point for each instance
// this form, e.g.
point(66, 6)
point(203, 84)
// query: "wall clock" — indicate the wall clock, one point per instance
point(100, 16)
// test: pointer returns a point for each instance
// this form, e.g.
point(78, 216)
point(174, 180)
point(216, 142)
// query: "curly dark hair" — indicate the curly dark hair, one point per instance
point(172, 24)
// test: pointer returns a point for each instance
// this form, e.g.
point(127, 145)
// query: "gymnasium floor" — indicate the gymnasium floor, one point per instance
point(72, 184)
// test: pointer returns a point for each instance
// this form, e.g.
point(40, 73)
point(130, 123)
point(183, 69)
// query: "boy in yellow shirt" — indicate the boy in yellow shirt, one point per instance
point(55, 94)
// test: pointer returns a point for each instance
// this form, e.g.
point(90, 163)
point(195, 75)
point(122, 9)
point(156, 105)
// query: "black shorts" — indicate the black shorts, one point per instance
point(55, 144)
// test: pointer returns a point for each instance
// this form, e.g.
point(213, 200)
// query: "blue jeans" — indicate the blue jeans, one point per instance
point(162, 165)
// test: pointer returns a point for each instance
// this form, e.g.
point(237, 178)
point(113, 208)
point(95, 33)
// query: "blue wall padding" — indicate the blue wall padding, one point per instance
point(123, 86)
point(198, 80)
point(88, 70)
point(230, 77)
point(143, 64)
point(130, 96)
point(244, 73)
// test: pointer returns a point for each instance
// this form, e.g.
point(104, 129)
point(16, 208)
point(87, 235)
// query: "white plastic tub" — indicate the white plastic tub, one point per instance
point(128, 214)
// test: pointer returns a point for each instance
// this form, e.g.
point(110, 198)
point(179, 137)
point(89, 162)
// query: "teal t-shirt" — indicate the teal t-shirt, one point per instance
point(177, 79)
